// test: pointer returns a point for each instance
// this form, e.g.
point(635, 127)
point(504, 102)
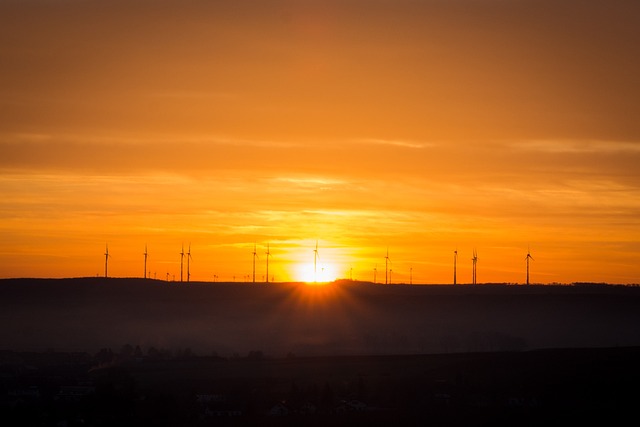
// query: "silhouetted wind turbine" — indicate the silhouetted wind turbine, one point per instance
point(387, 260)
point(146, 254)
point(268, 253)
point(411, 275)
point(255, 255)
point(475, 262)
point(315, 260)
point(528, 257)
point(189, 258)
point(455, 261)
point(375, 270)
point(181, 261)
point(106, 261)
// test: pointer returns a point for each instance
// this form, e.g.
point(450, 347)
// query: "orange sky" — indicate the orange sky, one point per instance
point(421, 126)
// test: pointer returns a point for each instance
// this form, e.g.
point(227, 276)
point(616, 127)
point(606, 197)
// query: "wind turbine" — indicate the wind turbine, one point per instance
point(268, 253)
point(189, 264)
point(181, 261)
point(106, 261)
point(475, 262)
point(528, 257)
point(387, 260)
point(411, 275)
point(375, 270)
point(455, 261)
point(255, 255)
point(146, 254)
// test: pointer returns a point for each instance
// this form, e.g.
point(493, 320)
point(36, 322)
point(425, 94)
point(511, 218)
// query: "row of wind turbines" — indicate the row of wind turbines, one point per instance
point(474, 264)
point(146, 255)
point(187, 254)
point(387, 261)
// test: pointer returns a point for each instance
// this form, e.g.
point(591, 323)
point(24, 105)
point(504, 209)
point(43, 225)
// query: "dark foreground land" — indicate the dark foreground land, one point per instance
point(543, 387)
point(343, 318)
point(130, 352)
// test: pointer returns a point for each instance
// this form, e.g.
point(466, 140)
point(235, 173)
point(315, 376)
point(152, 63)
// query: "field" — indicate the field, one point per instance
point(143, 352)
point(343, 318)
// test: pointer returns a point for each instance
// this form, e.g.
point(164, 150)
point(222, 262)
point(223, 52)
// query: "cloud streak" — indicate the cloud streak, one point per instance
point(581, 146)
point(395, 143)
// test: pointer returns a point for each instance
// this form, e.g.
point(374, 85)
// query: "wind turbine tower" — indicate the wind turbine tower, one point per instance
point(146, 254)
point(181, 261)
point(268, 253)
point(387, 260)
point(528, 257)
point(189, 258)
point(315, 260)
point(455, 261)
point(475, 262)
point(106, 261)
point(255, 255)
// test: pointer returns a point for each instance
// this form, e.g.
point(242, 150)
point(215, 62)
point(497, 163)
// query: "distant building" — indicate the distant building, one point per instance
point(209, 413)
point(74, 393)
point(351, 406)
point(278, 410)
point(210, 398)
point(307, 408)
point(31, 392)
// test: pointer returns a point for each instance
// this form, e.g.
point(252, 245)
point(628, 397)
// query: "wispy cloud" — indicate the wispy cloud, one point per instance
point(583, 146)
point(65, 138)
point(309, 182)
point(395, 142)
point(185, 94)
point(98, 154)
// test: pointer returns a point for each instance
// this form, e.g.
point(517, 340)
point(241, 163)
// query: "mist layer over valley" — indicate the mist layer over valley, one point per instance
point(342, 318)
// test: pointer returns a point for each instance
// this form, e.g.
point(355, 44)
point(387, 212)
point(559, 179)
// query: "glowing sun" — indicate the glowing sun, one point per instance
point(322, 273)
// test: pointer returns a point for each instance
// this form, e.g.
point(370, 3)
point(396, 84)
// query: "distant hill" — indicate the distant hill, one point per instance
point(340, 318)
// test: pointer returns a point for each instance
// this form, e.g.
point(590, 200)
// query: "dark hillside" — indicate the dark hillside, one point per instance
point(338, 319)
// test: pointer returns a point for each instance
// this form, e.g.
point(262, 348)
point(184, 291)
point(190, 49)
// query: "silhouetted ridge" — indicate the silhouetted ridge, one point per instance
point(340, 318)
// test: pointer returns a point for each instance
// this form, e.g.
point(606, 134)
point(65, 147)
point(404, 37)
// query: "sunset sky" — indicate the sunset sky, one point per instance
point(418, 126)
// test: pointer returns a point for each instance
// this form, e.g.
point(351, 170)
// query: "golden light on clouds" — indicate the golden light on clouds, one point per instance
point(418, 126)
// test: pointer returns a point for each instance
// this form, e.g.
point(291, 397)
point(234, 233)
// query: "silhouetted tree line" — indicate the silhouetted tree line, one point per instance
point(504, 388)
point(128, 354)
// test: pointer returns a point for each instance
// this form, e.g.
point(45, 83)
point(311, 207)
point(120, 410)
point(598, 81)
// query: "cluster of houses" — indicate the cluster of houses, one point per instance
point(217, 405)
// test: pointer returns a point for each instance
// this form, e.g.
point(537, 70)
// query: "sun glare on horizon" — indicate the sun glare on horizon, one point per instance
point(321, 274)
